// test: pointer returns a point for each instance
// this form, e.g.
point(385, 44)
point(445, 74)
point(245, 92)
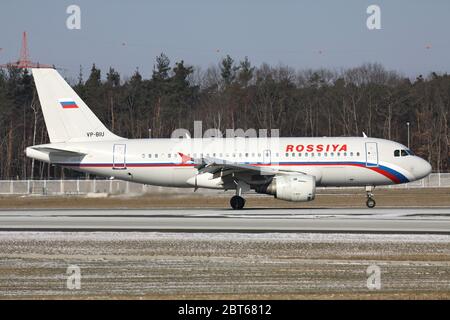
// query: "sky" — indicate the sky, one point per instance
point(414, 36)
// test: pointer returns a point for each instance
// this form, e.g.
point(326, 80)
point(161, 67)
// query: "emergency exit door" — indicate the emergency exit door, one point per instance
point(371, 154)
point(119, 151)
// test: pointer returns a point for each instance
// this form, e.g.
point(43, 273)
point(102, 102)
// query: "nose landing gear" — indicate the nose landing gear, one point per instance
point(370, 200)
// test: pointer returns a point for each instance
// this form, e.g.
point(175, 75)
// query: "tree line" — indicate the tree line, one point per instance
point(235, 94)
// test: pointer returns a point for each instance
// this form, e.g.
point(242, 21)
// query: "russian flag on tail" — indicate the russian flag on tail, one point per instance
point(68, 104)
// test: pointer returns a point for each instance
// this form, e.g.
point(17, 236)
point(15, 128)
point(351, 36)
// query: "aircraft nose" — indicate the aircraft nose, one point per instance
point(422, 169)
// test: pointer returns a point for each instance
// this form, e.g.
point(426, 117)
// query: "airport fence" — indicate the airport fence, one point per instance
point(118, 187)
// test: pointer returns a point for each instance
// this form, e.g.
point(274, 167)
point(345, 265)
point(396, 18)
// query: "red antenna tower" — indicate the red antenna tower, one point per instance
point(24, 61)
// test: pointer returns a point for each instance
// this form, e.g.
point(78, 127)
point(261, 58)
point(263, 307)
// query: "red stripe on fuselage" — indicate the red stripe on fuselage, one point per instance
point(385, 173)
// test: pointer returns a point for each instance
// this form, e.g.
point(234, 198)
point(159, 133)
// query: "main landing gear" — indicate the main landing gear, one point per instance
point(237, 202)
point(370, 200)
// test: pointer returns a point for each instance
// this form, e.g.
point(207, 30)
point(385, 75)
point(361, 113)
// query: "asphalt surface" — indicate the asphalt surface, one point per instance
point(383, 220)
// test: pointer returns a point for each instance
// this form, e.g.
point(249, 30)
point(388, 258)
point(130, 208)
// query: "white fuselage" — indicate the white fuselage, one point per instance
point(341, 161)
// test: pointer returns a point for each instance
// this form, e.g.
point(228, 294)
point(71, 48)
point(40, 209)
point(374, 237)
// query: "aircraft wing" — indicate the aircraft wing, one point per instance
point(221, 167)
point(213, 165)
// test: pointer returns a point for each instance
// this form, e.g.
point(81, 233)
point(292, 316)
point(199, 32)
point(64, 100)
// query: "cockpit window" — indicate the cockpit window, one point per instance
point(403, 153)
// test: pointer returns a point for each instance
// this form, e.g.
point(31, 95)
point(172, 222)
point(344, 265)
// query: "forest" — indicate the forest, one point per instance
point(236, 94)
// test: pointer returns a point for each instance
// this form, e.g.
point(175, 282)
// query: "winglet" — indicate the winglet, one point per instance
point(364, 135)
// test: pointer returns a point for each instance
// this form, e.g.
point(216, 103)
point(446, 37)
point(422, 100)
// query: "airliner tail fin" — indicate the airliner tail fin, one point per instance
point(67, 117)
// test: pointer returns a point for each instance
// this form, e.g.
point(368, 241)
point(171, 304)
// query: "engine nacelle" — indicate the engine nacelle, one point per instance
point(298, 187)
point(205, 180)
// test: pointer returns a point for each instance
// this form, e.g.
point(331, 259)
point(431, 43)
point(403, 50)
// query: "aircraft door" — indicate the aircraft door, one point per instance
point(119, 152)
point(371, 154)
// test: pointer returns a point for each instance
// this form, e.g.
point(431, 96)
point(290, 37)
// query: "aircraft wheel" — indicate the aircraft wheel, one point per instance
point(237, 203)
point(370, 203)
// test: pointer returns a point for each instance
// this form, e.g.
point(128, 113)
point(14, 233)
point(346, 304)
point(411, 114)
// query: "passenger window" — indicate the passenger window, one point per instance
point(351, 154)
point(299, 154)
point(156, 155)
point(287, 154)
point(169, 155)
point(357, 154)
point(293, 154)
point(306, 154)
point(318, 154)
point(397, 153)
point(325, 154)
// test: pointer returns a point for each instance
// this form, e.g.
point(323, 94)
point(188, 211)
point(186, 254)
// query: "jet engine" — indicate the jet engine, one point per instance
point(298, 187)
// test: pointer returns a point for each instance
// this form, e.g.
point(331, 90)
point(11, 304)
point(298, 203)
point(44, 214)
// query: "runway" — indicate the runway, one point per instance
point(382, 220)
point(225, 254)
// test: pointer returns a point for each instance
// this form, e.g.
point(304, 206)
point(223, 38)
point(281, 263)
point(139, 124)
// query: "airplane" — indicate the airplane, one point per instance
point(288, 168)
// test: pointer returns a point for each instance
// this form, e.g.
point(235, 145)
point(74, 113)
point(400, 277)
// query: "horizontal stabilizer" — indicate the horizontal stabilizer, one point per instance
point(59, 151)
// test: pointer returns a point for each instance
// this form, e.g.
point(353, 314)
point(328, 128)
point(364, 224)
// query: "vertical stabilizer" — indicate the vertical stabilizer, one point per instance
point(67, 117)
